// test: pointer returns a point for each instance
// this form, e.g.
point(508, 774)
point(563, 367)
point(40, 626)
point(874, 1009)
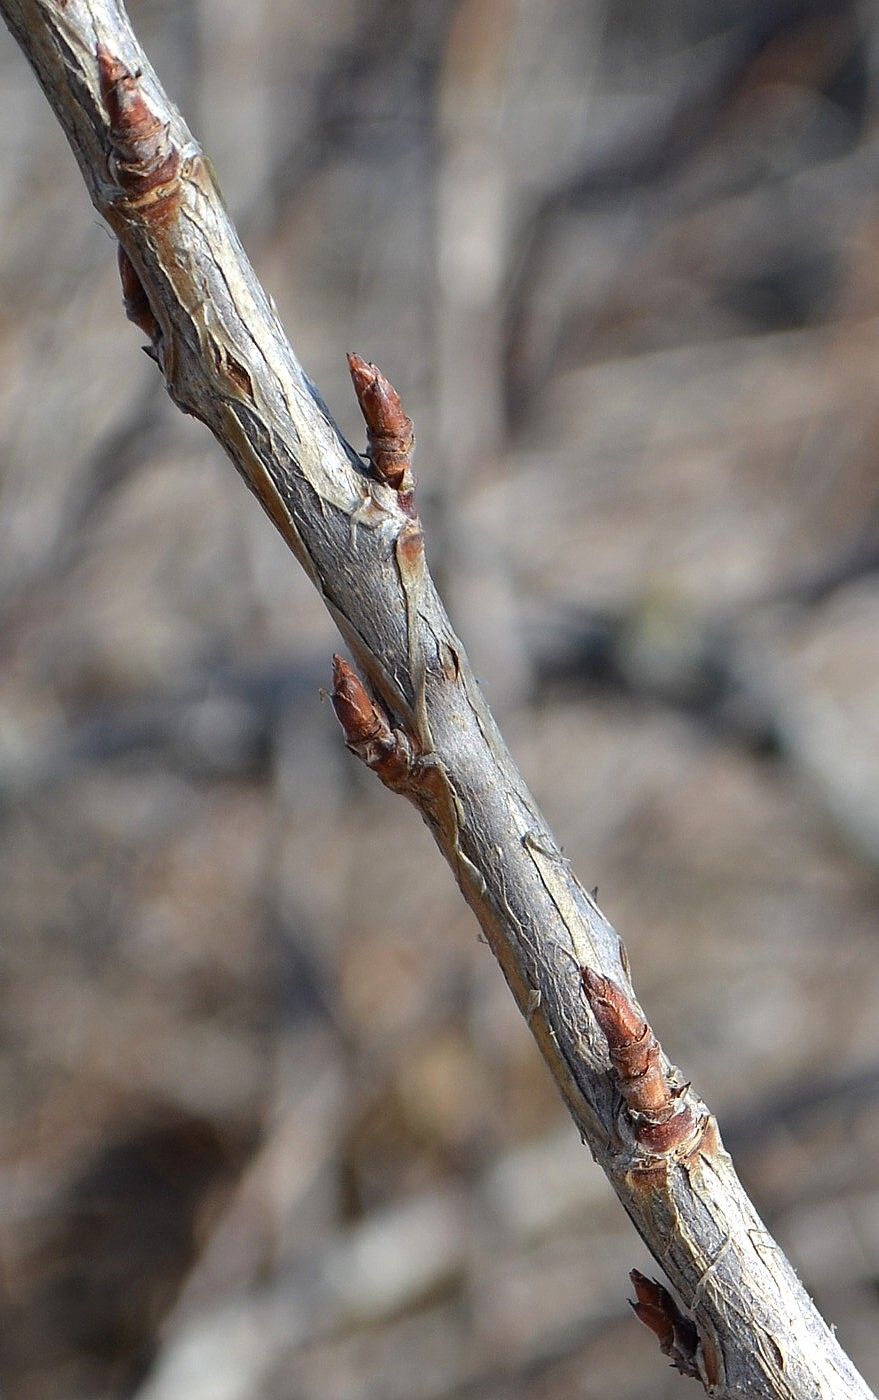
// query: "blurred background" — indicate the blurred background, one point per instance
point(271, 1126)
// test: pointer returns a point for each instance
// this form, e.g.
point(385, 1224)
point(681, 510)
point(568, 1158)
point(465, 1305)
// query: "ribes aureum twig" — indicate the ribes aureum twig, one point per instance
point(415, 712)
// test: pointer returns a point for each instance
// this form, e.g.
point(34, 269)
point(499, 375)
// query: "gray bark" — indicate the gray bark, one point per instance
point(227, 361)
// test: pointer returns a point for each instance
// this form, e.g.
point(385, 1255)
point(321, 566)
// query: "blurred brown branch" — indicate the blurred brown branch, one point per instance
point(426, 728)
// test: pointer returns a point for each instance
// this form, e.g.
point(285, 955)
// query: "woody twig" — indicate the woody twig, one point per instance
point(415, 713)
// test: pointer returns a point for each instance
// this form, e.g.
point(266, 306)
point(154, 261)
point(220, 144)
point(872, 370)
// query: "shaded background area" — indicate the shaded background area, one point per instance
point(271, 1126)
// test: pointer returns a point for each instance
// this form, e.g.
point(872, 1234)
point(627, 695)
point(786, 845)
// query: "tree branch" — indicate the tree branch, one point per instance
point(423, 724)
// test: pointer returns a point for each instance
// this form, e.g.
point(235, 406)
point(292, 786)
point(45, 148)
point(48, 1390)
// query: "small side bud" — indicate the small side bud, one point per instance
point(390, 438)
point(660, 1121)
point(359, 717)
point(144, 162)
point(677, 1335)
point(368, 733)
point(135, 299)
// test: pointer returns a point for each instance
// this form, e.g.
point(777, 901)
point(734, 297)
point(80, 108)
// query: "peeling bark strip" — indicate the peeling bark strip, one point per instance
point(661, 1118)
point(226, 361)
point(656, 1308)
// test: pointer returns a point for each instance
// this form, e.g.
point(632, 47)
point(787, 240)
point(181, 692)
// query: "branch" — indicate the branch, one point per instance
point(420, 721)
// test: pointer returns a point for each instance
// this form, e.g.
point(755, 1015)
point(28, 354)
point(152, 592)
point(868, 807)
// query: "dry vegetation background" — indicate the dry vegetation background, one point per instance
point(272, 1128)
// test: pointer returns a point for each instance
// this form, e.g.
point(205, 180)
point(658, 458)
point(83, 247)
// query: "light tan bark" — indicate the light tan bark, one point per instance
point(227, 361)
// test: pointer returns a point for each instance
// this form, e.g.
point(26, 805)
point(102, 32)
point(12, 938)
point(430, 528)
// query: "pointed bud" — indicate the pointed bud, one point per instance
point(367, 730)
point(677, 1335)
point(134, 298)
point(145, 162)
point(361, 720)
point(660, 1120)
point(390, 438)
point(617, 1016)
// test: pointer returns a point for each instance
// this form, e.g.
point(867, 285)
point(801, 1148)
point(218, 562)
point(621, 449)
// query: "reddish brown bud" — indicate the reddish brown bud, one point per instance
point(144, 162)
point(677, 1335)
point(134, 298)
point(617, 1016)
point(389, 434)
point(660, 1121)
point(361, 720)
point(367, 731)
